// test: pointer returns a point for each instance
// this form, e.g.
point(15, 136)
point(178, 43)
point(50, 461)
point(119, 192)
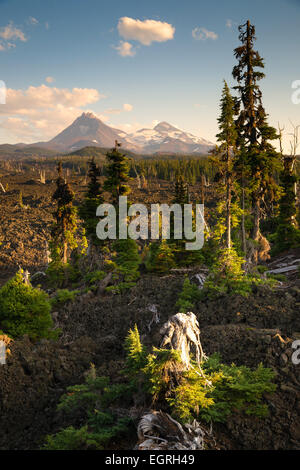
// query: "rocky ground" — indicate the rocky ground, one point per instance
point(25, 228)
point(248, 331)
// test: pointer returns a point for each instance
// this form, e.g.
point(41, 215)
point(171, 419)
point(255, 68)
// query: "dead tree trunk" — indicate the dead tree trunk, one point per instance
point(42, 176)
point(182, 333)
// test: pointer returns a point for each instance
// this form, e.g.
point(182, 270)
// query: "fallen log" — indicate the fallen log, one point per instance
point(283, 270)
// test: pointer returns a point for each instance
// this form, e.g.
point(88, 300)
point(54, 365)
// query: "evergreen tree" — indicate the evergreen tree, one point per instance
point(288, 234)
point(25, 310)
point(93, 198)
point(181, 197)
point(117, 174)
point(126, 259)
point(65, 219)
point(180, 191)
point(259, 158)
point(227, 137)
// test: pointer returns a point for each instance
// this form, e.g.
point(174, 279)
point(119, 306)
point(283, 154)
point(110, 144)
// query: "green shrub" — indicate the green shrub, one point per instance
point(56, 273)
point(188, 296)
point(160, 257)
point(261, 269)
point(25, 310)
point(159, 368)
point(277, 277)
point(239, 388)
point(228, 277)
point(72, 439)
point(60, 274)
point(101, 425)
point(124, 265)
point(106, 428)
point(191, 398)
point(120, 288)
point(64, 295)
point(286, 237)
point(94, 391)
point(127, 259)
point(183, 257)
point(136, 353)
point(94, 276)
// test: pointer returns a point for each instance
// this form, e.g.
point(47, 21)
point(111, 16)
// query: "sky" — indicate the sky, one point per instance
point(135, 63)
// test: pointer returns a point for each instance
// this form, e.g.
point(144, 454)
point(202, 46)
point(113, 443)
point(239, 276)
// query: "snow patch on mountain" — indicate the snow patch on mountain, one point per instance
point(165, 137)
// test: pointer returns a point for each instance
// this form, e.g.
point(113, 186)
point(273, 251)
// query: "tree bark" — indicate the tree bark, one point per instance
point(65, 254)
point(256, 221)
point(202, 189)
point(243, 221)
point(228, 201)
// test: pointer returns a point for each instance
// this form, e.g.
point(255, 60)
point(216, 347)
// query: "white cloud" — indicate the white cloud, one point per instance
point(201, 34)
point(33, 20)
point(8, 34)
point(44, 96)
point(4, 46)
point(127, 107)
point(50, 79)
point(47, 26)
point(11, 32)
point(39, 113)
point(18, 127)
point(146, 31)
point(229, 23)
point(125, 49)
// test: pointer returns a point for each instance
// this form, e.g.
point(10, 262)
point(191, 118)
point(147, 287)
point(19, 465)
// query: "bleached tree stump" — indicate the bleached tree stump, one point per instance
point(182, 333)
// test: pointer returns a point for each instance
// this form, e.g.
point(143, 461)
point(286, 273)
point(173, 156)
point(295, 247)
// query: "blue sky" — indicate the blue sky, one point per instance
point(50, 48)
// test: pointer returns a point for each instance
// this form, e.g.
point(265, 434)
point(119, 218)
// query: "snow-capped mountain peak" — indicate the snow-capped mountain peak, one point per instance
point(164, 127)
point(167, 138)
point(88, 130)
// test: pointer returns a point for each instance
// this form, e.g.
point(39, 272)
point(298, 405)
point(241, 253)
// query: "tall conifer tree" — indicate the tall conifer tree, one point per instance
point(117, 174)
point(258, 157)
point(287, 233)
point(93, 198)
point(227, 138)
point(180, 191)
point(65, 219)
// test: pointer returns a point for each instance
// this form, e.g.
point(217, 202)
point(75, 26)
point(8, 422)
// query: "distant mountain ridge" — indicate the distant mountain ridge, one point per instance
point(88, 130)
